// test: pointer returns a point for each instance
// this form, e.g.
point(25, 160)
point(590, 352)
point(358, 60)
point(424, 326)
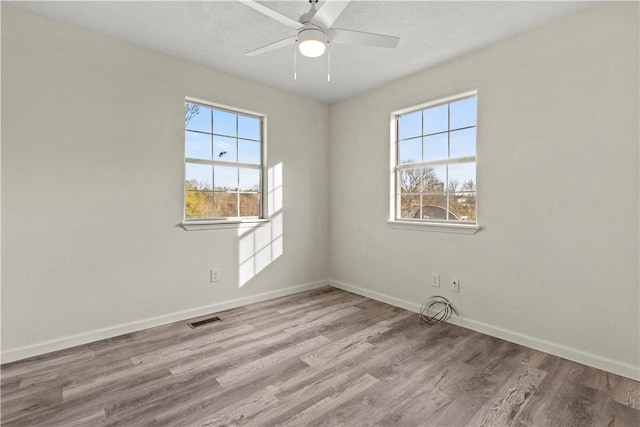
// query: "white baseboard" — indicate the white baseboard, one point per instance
point(43, 347)
point(586, 358)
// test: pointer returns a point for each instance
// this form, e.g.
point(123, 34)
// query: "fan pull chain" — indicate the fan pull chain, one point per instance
point(295, 60)
point(328, 61)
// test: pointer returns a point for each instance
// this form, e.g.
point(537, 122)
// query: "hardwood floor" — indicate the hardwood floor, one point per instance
point(324, 357)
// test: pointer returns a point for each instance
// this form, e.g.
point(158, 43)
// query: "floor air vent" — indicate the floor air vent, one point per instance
point(204, 322)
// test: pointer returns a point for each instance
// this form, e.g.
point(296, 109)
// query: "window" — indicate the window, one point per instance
point(435, 162)
point(223, 163)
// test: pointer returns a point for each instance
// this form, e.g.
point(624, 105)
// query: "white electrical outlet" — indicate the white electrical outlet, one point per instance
point(215, 275)
point(455, 285)
point(435, 279)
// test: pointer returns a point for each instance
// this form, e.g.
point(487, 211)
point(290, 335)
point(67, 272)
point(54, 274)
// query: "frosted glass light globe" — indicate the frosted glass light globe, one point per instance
point(312, 42)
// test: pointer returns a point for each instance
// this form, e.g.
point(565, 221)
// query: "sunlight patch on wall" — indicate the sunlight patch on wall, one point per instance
point(258, 247)
point(274, 189)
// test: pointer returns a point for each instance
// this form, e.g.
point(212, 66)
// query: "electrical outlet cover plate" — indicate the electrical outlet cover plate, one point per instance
point(455, 285)
point(435, 279)
point(215, 275)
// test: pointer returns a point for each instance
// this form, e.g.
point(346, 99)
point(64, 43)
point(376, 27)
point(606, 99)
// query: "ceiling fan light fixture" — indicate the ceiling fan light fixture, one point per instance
point(312, 42)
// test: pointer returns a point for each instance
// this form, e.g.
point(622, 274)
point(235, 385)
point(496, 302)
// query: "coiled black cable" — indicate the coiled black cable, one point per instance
point(436, 310)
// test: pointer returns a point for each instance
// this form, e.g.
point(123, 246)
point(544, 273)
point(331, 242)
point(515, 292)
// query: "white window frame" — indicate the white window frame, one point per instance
point(228, 222)
point(394, 189)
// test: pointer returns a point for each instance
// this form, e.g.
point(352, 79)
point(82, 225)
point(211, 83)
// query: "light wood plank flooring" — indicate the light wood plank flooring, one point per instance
point(324, 357)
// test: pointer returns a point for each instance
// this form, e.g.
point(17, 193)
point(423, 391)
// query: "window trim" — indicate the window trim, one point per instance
point(223, 224)
point(429, 225)
point(441, 227)
point(230, 222)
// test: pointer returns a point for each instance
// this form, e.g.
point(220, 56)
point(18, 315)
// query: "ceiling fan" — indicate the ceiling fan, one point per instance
point(314, 30)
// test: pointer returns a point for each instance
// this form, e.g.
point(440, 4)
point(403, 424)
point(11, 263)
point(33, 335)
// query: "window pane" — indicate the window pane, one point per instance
point(409, 206)
point(248, 127)
point(225, 204)
point(198, 204)
point(411, 180)
point(410, 151)
point(447, 187)
point(198, 177)
point(225, 178)
point(436, 147)
point(197, 117)
point(436, 119)
point(250, 204)
point(249, 179)
point(224, 123)
point(463, 206)
point(410, 125)
point(463, 113)
point(224, 149)
point(434, 206)
point(197, 145)
point(248, 152)
point(462, 176)
point(463, 143)
point(216, 141)
point(433, 179)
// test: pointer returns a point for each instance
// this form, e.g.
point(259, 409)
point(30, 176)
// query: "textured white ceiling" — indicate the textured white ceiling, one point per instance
point(218, 33)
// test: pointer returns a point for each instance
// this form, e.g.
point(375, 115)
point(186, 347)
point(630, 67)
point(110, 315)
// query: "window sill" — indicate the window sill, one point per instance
point(215, 225)
point(435, 227)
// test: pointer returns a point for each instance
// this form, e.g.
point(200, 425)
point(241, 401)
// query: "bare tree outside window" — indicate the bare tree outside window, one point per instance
point(191, 110)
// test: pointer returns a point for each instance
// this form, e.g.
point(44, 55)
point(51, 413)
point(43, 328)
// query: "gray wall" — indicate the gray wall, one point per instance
point(92, 187)
point(556, 264)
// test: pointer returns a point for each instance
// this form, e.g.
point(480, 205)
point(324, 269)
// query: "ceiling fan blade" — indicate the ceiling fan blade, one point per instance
point(328, 12)
point(273, 46)
point(283, 19)
point(339, 36)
